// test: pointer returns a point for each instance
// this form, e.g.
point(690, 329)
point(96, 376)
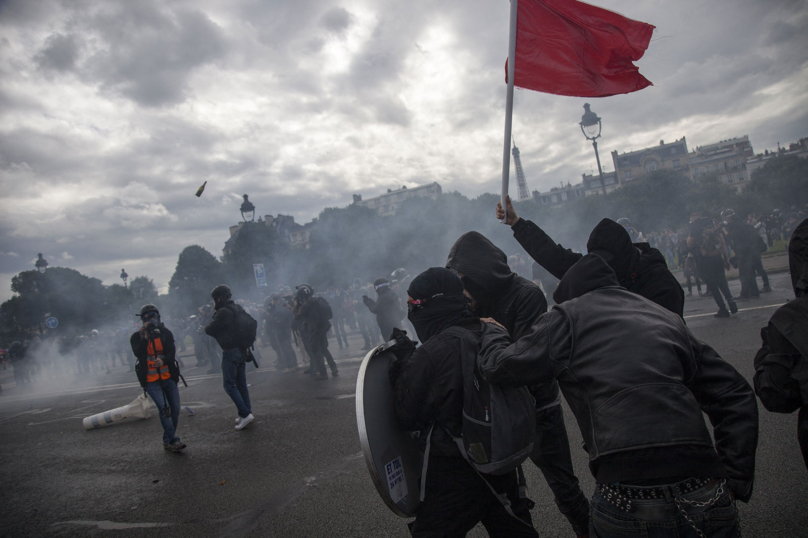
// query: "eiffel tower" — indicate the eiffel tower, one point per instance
point(524, 193)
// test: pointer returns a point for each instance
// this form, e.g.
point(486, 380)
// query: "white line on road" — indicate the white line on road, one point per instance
point(739, 311)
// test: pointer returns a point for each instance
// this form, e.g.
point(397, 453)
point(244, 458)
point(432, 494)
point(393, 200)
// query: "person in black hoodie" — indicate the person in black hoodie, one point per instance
point(517, 303)
point(387, 308)
point(638, 267)
point(638, 383)
point(428, 398)
point(781, 364)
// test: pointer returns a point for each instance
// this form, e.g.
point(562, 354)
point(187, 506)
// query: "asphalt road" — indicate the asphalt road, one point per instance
point(298, 469)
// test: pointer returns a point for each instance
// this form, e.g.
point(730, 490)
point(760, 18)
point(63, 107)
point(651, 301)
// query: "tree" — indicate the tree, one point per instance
point(255, 243)
point(782, 182)
point(142, 288)
point(197, 273)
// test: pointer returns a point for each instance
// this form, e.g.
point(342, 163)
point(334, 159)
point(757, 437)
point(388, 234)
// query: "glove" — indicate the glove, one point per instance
point(403, 347)
point(367, 300)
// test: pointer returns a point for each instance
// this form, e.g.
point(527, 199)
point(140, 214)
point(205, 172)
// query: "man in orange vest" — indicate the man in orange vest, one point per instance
point(158, 373)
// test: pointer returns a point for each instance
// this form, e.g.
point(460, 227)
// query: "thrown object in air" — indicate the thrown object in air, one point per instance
point(137, 409)
point(201, 189)
point(391, 454)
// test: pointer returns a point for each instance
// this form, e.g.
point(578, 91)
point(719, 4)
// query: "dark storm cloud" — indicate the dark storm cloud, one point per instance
point(59, 53)
point(148, 52)
point(336, 19)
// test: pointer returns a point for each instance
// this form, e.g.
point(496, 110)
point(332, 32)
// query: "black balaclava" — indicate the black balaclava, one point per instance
point(611, 242)
point(444, 302)
point(798, 259)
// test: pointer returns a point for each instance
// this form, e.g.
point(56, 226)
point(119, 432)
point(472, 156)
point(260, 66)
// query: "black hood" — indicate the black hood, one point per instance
point(588, 274)
point(611, 242)
point(484, 266)
point(798, 259)
point(443, 302)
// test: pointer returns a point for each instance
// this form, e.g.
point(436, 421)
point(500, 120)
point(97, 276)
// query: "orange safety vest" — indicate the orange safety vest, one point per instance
point(155, 349)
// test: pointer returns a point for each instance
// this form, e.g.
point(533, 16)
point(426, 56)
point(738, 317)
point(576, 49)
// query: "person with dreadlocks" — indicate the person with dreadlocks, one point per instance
point(428, 385)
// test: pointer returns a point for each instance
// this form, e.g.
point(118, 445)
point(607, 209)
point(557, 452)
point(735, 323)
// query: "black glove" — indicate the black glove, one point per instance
point(367, 300)
point(403, 347)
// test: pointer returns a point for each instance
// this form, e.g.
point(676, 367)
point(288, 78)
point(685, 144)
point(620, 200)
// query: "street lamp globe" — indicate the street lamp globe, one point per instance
point(590, 124)
point(124, 277)
point(247, 210)
point(41, 263)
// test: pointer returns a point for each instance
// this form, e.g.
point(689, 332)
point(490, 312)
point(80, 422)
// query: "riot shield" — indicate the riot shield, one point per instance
point(391, 454)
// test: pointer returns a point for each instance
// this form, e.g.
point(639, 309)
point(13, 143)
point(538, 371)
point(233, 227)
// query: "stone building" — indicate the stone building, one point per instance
point(387, 204)
point(637, 164)
point(727, 160)
point(797, 149)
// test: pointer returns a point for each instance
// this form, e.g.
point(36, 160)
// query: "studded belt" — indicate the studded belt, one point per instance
point(621, 496)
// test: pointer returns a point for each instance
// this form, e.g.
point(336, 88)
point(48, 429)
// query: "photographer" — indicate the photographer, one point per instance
point(158, 372)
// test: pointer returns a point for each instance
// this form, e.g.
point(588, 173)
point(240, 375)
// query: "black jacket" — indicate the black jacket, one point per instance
point(139, 348)
point(781, 364)
point(513, 301)
point(639, 268)
point(223, 326)
point(387, 309)
point(637, 381)
point(430, 387)
point(314, 314)
point(279, 322)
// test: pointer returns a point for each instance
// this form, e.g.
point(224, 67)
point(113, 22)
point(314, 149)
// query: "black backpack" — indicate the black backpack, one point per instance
point(246, 326)
point(325, 308)
point(498, 422)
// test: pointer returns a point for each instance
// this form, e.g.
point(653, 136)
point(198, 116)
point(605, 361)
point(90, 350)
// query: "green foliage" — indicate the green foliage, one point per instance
point(197, 273)
point(782, 182)
point(142, 288)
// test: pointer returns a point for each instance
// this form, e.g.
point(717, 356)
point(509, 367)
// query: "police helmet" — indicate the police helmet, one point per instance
point(399, 274)
point(146, 309)
point(221, 291)
point(304, 292)
point(624, 222)
point(727, 213)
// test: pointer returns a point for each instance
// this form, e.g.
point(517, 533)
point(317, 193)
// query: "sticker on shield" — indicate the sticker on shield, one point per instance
point(396, 482)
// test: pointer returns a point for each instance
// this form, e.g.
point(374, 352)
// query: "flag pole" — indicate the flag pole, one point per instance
point(506, 150)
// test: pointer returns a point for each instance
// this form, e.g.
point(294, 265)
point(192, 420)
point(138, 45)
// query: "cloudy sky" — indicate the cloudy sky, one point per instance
point(113, 113)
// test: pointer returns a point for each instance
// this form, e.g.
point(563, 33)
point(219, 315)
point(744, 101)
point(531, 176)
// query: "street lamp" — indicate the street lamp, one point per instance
point(247, 210)
point(124, 277)
point(41, 263)
point(590, 126)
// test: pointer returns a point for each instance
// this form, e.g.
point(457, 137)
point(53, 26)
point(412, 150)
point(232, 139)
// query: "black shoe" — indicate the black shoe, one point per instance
point(733, 307)
point(334, 372)
point(721, 314)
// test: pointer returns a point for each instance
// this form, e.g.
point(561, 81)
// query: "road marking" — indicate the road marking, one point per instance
point(739, 310)
point(114, 525)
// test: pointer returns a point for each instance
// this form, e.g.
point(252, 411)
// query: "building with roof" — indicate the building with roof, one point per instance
point(591, 183)
point(797, 149)
point(559, 195)
point(636, 165)
point(727, 160)
point(298, 236)
point(387, 204)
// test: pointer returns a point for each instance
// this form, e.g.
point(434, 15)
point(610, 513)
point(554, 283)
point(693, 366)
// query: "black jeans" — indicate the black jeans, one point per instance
point(320, 354)
point(746, 273)
point(456, 499)
point(551, 454)
point(286, 354)
point(757, 265)
point(712, 272)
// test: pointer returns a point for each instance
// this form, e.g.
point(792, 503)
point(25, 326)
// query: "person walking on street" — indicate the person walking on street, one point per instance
point(234, 359)
point(708, 246)
point(158, 373)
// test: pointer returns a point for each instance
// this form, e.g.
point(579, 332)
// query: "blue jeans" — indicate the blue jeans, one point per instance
point(234, 378)
point(662, 518)
point(172, 397)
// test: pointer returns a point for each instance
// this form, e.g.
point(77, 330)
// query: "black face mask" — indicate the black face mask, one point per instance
point(438, 313)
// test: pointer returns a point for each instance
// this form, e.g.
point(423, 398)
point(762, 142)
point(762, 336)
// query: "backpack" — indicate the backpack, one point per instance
point(246, 326)
point(498, 423)
point(325, 308)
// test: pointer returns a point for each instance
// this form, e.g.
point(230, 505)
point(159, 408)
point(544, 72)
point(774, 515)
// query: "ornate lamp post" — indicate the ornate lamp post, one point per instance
point(590, 126)
point(124, 277)
point(247, 210)
point(41, 263)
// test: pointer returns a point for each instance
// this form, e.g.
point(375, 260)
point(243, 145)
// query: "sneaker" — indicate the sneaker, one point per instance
point(721, 314)
point(733, 307)
point(766, 289)
point(238, 420)
point(334, 372)
point(244, 421)
point(166, 446)
point(177, 446)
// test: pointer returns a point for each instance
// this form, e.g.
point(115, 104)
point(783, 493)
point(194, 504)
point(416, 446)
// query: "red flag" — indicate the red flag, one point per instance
point(567, 47)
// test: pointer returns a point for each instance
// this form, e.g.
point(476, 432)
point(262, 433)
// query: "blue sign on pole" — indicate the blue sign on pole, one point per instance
point(260, 275)
point(52, 322)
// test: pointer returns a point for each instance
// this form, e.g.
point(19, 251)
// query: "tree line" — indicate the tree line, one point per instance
point(354, 242)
